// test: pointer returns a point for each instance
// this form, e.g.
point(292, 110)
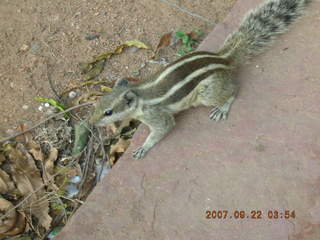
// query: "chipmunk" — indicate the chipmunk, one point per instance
point(200, 78)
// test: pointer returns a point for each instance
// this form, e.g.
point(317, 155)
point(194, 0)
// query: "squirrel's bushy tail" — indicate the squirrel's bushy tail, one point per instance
point(260, 26)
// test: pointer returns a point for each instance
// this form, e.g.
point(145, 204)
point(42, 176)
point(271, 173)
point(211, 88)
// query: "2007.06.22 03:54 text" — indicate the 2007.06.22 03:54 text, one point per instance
point(253, 214)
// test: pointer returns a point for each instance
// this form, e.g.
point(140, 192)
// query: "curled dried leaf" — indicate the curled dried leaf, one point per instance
point(6, 185)
point(88, 96)
point(28, 180)
point(120, 147)
point(2, 157)
point(13, 222)
point(117, 149)
point(165, 41)
point(105, 89)
point(49, 162)
point(8, 222)
point(96, 66)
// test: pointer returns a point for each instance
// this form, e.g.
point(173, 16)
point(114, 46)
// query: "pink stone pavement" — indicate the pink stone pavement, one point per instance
point(266, 156)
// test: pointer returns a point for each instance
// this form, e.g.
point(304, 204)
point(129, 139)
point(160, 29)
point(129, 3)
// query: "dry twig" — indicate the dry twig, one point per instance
point(44, 121)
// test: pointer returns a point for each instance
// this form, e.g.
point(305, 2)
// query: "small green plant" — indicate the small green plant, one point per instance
point(54, 103)
point(188, 41)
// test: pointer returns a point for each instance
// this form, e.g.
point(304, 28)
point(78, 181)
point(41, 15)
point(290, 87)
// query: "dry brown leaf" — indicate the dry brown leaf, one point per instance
point(119, 49)
point(2, 157)
point(8, 222)
point(13, 223)
point(165, 41)
point(6, 185)
point(28, 180)
point(19, 227)
point(24, 137)
point(120, 147)
point(3, 186)
point(195, 35)
point(95, 67)
point(37, 154)
point(88, 96)
point(49, 163)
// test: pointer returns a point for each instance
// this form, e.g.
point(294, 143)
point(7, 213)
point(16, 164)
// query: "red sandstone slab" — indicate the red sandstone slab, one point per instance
point(265, 157)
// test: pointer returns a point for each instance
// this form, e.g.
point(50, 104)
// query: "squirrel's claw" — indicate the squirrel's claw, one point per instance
point(139, 153)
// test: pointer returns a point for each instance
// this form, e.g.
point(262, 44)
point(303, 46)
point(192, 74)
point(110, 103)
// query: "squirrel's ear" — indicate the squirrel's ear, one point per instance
point(121, 83)
point(130, 97)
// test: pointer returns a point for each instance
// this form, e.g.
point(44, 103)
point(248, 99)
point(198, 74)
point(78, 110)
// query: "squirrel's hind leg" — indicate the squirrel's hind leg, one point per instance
point(221, 112)
point(220, 92)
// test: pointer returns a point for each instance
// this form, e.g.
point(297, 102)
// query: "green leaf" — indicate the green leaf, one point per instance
point(54, 103)
point(188, 49)
point(54, 232)
point(180, 34)
point(181, 52)
point(51, 102)
point(186, 39)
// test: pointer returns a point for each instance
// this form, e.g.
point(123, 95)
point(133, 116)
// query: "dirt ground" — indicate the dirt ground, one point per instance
point(47, 39)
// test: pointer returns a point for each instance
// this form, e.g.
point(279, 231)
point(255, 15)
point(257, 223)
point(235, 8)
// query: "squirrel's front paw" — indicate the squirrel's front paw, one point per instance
point(139, 153)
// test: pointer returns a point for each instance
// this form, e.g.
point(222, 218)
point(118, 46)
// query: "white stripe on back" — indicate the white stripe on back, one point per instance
point(170, 69)
point(180, 84)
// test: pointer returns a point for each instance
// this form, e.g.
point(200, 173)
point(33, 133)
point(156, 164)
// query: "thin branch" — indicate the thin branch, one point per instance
point(188, 12)
point(44, 121)
point(105, 157)
point(88, 158)
point(51, 82)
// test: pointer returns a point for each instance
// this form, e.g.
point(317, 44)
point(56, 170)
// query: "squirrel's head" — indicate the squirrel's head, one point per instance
point(116, 105)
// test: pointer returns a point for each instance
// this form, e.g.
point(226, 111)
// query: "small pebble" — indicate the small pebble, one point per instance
point(90, 37)
point(142, 65)
point(134, 49)
point(75, 179)
point(51, 111)
point(161, 60)
point(72, 190)
point(54, 232)
point(104, 172)
point(24, 47)
point(25, 107)
point(72, 94)
point(46, 105)
point(35, 47)
point(40, 108)
point(77, 14)
point(9, 131)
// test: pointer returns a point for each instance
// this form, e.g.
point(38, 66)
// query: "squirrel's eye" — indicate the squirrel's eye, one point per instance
point(108, 112)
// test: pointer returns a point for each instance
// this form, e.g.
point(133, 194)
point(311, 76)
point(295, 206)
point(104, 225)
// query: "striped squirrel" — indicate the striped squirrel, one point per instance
point(200, 78)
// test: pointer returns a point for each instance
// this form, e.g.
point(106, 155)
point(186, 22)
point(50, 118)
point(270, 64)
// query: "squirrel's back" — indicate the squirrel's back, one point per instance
point(260, 27)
